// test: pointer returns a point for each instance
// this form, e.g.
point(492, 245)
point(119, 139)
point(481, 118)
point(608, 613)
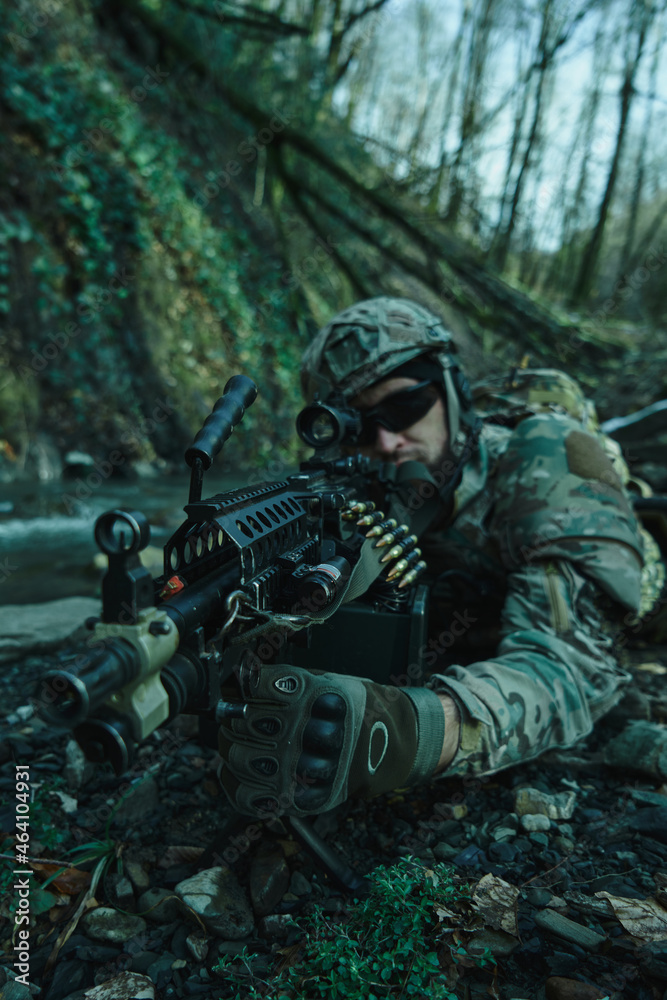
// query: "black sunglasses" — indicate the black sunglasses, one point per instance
point(398, 411)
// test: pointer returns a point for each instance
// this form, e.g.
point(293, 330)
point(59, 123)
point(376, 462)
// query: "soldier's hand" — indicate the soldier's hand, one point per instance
point(308, 740)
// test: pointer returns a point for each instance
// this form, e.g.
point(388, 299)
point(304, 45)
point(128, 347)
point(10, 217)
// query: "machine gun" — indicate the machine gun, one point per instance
point(257, 571)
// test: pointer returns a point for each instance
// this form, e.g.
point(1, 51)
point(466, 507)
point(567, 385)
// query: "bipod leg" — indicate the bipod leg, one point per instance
point(335, 867)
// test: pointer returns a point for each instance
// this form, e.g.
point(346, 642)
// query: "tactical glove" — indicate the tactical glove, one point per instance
point(308, 740)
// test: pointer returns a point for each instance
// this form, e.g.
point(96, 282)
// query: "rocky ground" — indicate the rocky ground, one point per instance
point(567, 858)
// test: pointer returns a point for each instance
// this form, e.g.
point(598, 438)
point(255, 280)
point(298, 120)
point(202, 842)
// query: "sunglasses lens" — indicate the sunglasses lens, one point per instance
point(398, 411)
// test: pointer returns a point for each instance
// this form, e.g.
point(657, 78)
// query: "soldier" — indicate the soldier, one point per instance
point(534, 560)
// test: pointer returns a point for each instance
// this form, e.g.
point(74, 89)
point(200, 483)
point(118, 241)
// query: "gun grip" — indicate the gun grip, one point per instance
point(239, 393)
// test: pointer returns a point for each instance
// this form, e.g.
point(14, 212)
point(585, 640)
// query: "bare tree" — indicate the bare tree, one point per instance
point(638, 24)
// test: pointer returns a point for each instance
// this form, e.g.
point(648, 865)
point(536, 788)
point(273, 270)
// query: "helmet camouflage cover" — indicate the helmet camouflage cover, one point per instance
point(364, 343)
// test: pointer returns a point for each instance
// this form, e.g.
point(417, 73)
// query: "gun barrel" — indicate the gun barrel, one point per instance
point(67, 697)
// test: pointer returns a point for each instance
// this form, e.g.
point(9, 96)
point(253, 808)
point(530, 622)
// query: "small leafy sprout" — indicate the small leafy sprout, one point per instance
point(393, 945)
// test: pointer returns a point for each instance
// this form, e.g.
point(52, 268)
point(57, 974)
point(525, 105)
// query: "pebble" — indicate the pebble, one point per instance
point(534, 822)
point(504, 833)
point(498, 942)
point(126, 986)
point(69, 976)
point(138, 876)
point(652, 822)
point(502, 851)
point(299, 884)
point(532, 800)
point(472, 856)
point(558, 988)
point(276, 925)
point(269, 878)
point(556, 923)
point(160, 906)
point(538, 897)
point(106, 924)
point(539, 838)
point(197, 944)
point(216, 896)
point(120, 890)
point(445, 851)
point(142, 799)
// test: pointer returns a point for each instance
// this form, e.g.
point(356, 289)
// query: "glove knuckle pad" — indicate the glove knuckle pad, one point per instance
point(326, 737)
point(330, 707)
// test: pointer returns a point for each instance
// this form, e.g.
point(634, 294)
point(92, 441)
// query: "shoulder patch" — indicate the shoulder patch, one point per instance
point(586, 458)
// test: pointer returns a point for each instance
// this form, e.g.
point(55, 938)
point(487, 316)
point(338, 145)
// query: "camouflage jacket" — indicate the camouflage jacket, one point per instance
point(530, 578)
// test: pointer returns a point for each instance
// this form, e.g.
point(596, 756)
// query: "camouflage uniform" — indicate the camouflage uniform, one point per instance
point(553, 557)
point(532, 573)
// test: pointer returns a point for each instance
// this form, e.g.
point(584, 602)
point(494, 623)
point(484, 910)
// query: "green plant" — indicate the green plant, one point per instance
point(393, 944)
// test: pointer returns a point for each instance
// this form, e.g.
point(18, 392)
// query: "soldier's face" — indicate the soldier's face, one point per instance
point(426, 440)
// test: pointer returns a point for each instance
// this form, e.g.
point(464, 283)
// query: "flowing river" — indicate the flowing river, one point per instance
point(47, 548)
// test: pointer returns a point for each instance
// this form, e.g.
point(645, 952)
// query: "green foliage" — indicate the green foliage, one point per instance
point(392, 944)
point(104, 178)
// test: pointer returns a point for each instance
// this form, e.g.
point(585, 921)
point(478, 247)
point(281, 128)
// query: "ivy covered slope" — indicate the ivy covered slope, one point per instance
point(133, 281)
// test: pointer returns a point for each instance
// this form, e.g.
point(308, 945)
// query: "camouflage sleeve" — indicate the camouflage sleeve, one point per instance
point(554, 674)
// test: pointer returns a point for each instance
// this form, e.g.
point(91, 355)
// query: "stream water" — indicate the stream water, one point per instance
point(47, 548)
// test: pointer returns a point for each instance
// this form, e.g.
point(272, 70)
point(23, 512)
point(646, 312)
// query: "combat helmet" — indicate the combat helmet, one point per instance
point(368, 341)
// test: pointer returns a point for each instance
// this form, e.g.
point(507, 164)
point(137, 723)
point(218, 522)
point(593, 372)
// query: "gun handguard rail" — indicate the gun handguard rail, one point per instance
point(244, 567)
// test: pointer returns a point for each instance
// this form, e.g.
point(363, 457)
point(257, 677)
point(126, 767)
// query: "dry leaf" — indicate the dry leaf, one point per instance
point(179, 856)
point(496, 902)
point(645, 919)
point(72, 881)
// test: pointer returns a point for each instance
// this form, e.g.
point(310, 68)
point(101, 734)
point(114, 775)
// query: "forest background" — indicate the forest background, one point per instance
point(189, 188)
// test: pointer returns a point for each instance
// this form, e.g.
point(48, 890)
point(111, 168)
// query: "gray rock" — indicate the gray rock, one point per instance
point(556, 923)
point(445, 851)
point(120, 890)
point(538, 897)
point(140, 801)
point(78, 770)
point(502, 833)
point(539, 838)
point(126, 986)
point(532, 800)
point(197, 945)
point(498, 943)
point(642, 746)
point(160, 906)
point(138, 876)
point(142, 961)
point(269, 878)
point(15, 991)
point(69, 976)
point(535, 822)
point(216, 896)
point(38, 628)
point(300, 885)
point(105, 924)
point(161, 970)
point(276, 925)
